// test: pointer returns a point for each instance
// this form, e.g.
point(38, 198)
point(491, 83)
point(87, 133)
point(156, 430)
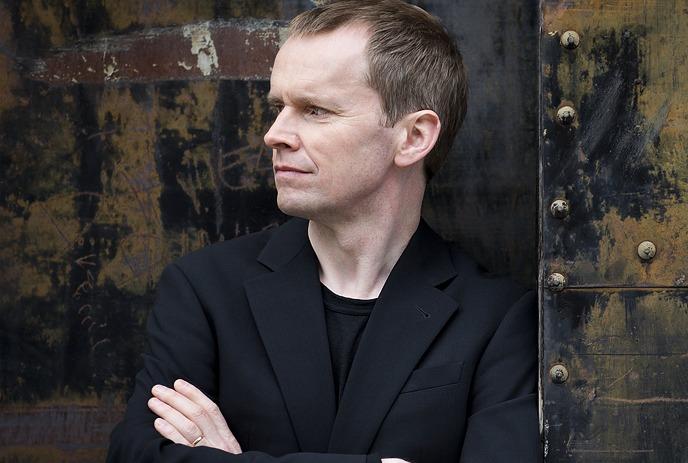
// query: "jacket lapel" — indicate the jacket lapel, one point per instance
point(288, 310)
point(407, 317)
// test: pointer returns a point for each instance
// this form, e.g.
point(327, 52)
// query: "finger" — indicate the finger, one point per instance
point(174, 418)
point(198, 397)
point(185, 427)
point(168, 431)
point(213, 411)
point(167, 406)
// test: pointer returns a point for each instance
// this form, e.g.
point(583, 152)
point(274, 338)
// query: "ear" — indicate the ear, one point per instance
point(420, 131)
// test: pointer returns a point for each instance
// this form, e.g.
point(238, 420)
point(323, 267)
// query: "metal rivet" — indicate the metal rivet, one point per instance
point(559, 374)
point(570, 40)
point(556, 282)
point(566, 115)
point(647, 250)
point(559, 208)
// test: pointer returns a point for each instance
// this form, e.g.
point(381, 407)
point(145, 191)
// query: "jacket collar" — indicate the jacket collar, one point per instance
point(287, 241)
point(426, 254)
point(288, 310)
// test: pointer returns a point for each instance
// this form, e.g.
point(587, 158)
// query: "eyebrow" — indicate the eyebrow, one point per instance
point(304, 101)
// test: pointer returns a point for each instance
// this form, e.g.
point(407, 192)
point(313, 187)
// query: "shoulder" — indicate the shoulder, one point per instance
point(245, 247)
point(485, 296)
point(228, 261)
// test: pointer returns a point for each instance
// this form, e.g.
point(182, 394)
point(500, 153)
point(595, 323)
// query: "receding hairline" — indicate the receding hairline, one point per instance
point(359, 64)
point(356, 27)
point(355, 23)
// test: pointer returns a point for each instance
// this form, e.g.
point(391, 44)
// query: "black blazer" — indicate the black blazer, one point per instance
point(446, 369)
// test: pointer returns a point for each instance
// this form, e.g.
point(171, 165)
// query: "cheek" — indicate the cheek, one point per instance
point(358, 150)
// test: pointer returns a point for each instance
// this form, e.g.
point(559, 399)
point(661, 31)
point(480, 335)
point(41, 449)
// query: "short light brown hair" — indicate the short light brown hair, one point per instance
point(413, 63)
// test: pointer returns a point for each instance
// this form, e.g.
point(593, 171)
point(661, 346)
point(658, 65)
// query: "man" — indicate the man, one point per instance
point(352, 333)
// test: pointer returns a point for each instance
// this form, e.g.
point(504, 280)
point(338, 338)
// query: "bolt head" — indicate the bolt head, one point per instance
point(569, 40)
point(556, 282)
point(559, 208)
point(559, 374)
point(647, 250)
point(566, 115)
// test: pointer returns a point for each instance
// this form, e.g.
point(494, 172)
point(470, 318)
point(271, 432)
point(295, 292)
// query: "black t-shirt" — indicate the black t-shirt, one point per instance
point(345, 318)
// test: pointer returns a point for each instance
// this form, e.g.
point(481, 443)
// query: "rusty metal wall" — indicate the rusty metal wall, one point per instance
point(615, 317)
point(131, 133)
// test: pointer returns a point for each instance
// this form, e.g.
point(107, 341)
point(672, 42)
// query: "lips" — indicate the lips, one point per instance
point(290, 169)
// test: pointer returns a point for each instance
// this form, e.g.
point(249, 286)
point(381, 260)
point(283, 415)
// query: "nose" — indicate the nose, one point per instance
point(282, 133)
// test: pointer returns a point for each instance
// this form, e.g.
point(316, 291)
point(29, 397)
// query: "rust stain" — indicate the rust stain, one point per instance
point(6, 27)
point(131, 190)
point(38, 14)
point(8, 76)
point(628, 161)
point(648, 323)
point(620, 327)
point(155, 13)
point(616, 259)
point(188, 109)
point(113, 122)
point(44, 238)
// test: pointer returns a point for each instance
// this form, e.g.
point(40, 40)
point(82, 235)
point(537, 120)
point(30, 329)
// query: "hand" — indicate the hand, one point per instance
point(187, 414)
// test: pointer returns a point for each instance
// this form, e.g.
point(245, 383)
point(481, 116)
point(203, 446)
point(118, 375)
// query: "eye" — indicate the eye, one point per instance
point(316, 111)
point(276, 108)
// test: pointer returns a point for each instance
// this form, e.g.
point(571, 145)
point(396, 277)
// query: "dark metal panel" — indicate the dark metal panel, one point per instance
point(621, 164)
point(625, 395)
point(106, 176)
point(616, 324)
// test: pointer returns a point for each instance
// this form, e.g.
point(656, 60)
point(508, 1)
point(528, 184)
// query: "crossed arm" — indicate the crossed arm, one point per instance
point(178, 333)
point(188, 417)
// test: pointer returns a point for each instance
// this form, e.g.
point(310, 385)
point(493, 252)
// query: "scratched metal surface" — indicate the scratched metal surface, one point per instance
point(131, 133)
point(619, 325)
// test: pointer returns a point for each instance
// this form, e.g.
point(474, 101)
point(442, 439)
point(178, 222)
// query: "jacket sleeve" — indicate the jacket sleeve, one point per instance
point(503, 422)
point(181, 344)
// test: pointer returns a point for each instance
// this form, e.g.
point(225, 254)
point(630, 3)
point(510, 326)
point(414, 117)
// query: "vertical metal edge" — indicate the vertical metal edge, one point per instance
point(540, 220)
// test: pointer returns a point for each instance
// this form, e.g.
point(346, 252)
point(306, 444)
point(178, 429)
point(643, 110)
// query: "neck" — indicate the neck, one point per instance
point(357, 255)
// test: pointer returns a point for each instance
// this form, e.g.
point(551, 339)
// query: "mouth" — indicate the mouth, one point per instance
point(289, 169)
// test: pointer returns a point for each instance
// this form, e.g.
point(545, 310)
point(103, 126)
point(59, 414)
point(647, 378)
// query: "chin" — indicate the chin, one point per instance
point(295, 207)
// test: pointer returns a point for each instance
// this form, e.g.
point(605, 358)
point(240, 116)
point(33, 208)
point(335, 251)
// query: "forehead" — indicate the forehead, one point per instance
point(329, 63)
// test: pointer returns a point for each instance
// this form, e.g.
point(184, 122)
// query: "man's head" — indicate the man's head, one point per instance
point(366, 87)
point(413, 63)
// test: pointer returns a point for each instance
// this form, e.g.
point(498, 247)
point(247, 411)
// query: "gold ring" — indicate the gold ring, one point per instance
point(198, 439)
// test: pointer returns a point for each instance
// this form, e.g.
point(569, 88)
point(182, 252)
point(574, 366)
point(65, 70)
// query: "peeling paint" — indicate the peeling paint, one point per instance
point(110, 69)
point(202, 46)
point(183, 65)
point(165, 54)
